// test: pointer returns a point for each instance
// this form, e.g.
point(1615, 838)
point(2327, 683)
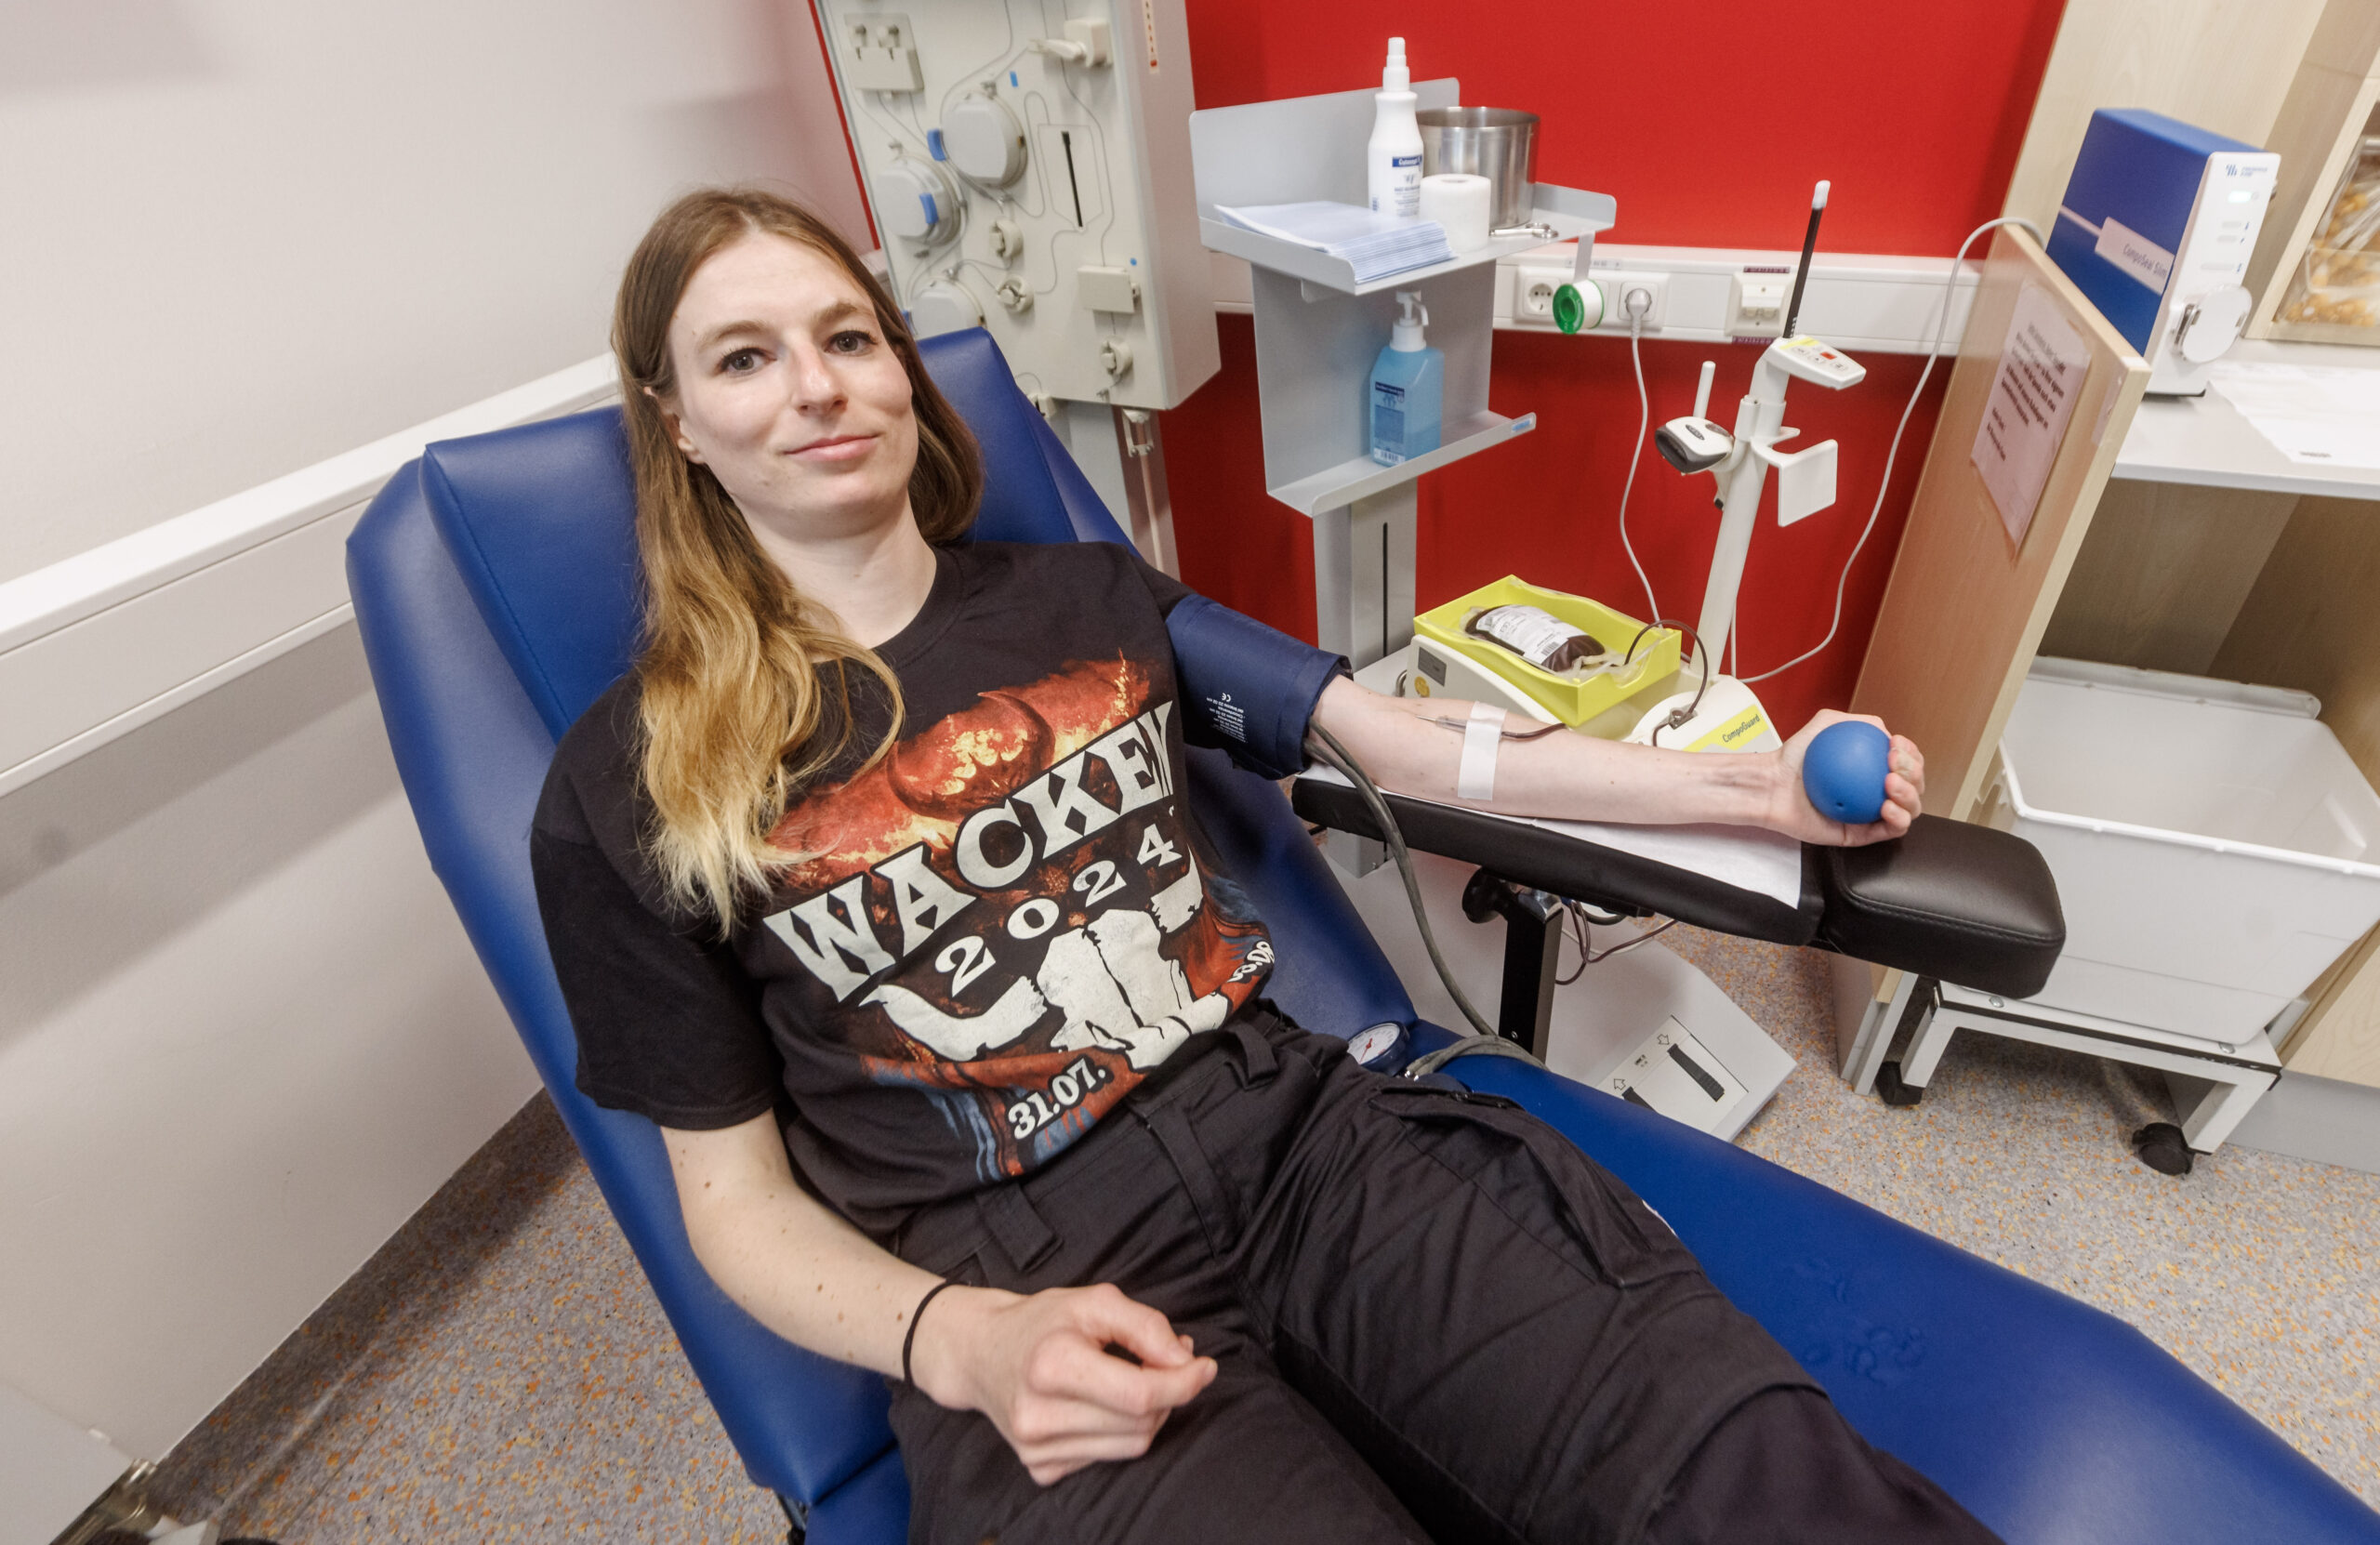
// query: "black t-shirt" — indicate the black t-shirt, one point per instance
point(1011, 921)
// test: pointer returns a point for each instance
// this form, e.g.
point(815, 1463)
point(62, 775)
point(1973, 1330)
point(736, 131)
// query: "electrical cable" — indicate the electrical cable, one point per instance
point(1470, 1046)
point(1587, 956)
point(1643, 427)
point(1598, 956)
point(1884, 486)
point(1326, 749)
point(1577, 932)
point(1678, 715)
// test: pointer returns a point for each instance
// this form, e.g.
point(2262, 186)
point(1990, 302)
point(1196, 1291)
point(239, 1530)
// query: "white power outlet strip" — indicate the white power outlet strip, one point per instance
point(1527, 301)
point(1862, 304)
point(1620, 292)
point(1874, 305)
point(1756, 300)
point(1532, 295)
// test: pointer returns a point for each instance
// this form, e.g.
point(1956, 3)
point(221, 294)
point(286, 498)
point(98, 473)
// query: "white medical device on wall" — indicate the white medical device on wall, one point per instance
point(1028, 167)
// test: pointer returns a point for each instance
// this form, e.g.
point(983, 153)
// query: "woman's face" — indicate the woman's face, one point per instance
point(788, 391)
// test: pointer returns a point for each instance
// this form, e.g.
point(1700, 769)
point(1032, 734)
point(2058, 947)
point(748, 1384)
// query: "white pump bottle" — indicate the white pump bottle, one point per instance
point(1392, 159)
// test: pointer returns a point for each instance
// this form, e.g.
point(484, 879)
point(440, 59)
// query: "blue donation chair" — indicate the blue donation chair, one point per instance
point(494, 583)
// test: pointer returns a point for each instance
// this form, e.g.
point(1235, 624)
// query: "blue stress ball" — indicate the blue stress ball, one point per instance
point(1843, 771)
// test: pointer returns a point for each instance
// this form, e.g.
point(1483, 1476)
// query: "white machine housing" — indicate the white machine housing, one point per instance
point(2206, 301)
point(1028, 167)
point(1645, 1024)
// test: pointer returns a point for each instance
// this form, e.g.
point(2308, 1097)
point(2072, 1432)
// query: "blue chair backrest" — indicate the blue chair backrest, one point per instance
point(542, 521)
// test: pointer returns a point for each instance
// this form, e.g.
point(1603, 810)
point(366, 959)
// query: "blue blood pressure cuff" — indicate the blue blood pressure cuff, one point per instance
point(1245, 688)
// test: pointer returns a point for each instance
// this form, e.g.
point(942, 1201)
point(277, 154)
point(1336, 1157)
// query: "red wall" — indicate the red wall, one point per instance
point(1709, 124)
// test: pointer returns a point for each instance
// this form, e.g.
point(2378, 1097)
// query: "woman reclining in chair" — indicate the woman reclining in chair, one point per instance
point(874, 885)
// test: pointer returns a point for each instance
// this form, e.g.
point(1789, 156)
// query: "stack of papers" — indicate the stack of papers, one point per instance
point(1374, 245)
point(2317, 415)
point(1749, 858)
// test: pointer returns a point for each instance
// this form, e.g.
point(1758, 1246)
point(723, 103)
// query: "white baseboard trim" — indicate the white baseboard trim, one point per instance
point(50, 1470)
point(2327, 1120)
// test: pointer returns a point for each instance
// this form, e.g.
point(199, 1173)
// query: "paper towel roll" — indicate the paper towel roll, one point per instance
point(1459, 201)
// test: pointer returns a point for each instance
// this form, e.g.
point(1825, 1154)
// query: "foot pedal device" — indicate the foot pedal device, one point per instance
point(1675, 1074)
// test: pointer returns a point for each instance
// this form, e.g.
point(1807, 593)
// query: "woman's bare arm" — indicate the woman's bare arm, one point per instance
point(1037, 1365)
point(1583, 778)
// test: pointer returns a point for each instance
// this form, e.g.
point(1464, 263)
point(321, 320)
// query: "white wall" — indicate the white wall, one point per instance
point(241, 1039)
point(243, 235)
point(242, 1036)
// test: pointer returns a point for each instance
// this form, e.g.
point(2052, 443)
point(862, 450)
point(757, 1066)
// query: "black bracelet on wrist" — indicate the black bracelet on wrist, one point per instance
point(909, 1341)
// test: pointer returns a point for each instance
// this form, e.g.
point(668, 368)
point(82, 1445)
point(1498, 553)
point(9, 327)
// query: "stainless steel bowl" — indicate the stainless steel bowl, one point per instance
point(1498, 143)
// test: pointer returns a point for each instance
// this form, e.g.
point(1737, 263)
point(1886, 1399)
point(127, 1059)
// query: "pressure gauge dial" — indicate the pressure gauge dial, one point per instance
point(983, 140)
point(942, 306)
point(919, 202)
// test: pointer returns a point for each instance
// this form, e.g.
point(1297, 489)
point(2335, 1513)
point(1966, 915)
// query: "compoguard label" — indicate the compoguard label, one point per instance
point(2136, 253)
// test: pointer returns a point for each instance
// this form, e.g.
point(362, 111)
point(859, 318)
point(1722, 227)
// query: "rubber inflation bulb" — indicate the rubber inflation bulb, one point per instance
point(1844, 769)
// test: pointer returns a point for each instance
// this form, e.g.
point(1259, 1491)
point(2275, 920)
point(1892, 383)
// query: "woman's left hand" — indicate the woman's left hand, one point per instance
point(1792, 812)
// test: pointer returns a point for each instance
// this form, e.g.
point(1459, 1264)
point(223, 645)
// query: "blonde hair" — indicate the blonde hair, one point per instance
point(733, 704)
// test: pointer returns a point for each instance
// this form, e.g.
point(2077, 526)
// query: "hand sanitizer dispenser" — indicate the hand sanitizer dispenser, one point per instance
point(1407, 384)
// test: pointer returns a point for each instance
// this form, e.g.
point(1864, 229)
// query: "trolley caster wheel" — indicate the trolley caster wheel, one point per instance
point(1893, 1092)
point(2161, 1147)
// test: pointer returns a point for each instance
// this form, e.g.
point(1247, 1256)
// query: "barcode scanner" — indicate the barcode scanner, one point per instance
point(1694, 444)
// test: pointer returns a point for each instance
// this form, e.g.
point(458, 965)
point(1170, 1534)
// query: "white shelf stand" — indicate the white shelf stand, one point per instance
point(1318, 331)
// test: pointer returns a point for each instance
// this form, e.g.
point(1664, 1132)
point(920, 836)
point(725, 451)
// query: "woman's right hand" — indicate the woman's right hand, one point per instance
point(1039, 1367)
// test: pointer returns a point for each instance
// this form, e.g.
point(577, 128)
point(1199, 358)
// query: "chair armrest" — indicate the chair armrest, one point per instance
point(1529, 854)
point(1965, 904)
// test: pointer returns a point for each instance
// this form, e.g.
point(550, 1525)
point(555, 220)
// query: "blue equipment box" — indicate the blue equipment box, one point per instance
point(2158, 220)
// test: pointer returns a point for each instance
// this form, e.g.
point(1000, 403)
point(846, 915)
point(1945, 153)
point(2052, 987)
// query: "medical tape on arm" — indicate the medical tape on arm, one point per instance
point(1482, 738)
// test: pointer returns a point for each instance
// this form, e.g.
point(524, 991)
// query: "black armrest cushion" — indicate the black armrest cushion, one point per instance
point(1567, 867)
point(1965, 904)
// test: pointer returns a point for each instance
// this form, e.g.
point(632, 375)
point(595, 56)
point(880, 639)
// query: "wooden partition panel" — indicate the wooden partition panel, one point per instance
point(2162, 573)
point(1966, 607)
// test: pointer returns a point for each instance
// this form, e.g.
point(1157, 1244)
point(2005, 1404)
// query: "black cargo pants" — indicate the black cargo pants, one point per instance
point(1433, 1319)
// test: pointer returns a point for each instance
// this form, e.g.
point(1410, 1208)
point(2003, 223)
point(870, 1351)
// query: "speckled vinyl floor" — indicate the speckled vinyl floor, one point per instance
point(501, 1371)
point(2261, 1273)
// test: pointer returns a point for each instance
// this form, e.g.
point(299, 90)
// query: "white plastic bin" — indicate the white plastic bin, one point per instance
point(2209, 841)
